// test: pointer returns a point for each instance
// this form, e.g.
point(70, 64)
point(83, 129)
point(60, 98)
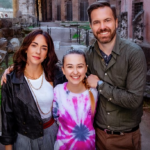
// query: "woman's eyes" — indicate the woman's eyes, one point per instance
point(44, 48)
point(41, 48)
point(33, 45)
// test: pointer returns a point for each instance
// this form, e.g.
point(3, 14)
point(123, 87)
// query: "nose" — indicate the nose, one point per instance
point(102, 26)
point(38, 50)
point(75, 71)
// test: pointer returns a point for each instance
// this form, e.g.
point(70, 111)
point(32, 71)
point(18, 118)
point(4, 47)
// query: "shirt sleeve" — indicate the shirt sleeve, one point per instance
point(132, 96)
point(55, 104)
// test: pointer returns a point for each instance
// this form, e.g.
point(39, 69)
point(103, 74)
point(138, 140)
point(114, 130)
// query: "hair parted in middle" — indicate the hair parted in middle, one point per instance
point(49, 64)
point(80, 52)
point(100, 4)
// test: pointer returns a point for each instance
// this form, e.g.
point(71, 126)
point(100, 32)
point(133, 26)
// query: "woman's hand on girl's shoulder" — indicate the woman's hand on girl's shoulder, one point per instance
point(7, 71)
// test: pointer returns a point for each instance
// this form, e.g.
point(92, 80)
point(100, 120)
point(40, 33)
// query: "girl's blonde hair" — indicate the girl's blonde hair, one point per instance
point(93, 105)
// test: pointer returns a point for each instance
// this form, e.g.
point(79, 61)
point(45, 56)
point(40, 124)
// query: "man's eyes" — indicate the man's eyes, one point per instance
point(96, 22)
point(107, 20)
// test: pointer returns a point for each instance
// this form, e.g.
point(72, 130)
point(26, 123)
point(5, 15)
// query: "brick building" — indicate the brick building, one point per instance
point(135, 19)
point(51, 10)
point(134, 15)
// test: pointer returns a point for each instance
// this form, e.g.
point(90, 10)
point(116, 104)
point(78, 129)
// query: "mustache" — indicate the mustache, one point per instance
point(103, 30)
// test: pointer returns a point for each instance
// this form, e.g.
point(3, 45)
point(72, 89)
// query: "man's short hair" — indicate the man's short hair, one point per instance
point(99, 4)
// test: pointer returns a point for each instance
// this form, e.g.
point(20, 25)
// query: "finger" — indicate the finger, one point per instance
point(2, 81)
point(5, 80)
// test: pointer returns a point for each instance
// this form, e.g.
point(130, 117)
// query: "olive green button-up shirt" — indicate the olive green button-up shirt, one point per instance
point(121, 95)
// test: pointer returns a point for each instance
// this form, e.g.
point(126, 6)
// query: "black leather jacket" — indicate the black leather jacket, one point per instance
point(19, 111)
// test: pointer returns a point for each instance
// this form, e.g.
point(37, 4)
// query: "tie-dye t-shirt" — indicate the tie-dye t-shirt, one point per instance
point(73, 115)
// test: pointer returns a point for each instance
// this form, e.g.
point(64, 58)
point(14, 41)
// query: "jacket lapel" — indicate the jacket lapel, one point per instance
point(26, 97)
point(23, 93)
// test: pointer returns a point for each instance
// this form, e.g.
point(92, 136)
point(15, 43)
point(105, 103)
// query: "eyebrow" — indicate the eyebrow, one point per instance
point(103, 19)
point(37, 44)
point(72, 64)
point(108, 19)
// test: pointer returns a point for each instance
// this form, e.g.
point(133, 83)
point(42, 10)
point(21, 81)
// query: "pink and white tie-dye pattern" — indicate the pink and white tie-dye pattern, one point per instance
point(73, 114)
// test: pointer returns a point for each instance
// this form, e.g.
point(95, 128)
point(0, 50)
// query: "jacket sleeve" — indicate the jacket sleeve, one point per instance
point(89, 58)
point(9, 133)
point(55, 109)
point(59, 77)
point(132, 96)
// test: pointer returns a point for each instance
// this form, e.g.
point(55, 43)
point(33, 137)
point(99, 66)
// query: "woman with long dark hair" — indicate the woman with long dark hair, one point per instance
point(27, 122)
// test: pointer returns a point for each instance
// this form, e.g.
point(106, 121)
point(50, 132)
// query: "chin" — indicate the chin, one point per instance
point(75, 82)
point(104, 40)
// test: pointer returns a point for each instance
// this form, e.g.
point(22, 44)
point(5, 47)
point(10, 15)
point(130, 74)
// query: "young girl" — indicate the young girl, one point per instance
point(74, 106)
point(27, 122)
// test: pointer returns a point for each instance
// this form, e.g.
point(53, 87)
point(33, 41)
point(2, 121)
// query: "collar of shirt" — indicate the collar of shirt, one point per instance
point(116, 49)
point(106, 57)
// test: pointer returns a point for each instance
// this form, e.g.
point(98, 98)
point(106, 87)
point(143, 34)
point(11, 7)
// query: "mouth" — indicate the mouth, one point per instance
point(104, 33)
point(75, 77)
point(36, 57)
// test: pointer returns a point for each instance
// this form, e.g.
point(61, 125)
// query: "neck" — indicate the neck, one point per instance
point(79, 88)
point(33, 71)
point(108, 47)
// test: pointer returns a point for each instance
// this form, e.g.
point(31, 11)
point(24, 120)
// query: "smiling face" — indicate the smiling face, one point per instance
point(103, 24)
point(74, 68)
point(37, 51)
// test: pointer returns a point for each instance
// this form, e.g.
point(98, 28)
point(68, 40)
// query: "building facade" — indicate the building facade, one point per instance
point(51, 10)
point(134, 19)
point(133, 15)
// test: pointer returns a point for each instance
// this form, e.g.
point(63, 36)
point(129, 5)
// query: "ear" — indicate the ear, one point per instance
point(63, 70)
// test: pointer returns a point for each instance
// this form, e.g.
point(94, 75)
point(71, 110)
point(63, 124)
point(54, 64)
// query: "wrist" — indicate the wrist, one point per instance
point(99, 82)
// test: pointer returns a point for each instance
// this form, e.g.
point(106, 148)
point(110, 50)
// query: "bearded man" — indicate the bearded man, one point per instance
point(117, 68)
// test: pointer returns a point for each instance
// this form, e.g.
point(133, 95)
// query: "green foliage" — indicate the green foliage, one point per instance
point(75, 36)
point(86, 27)
point(6, 3)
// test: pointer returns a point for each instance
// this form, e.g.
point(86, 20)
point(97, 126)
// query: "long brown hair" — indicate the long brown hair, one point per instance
point(49, 64)
point(80, 52)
